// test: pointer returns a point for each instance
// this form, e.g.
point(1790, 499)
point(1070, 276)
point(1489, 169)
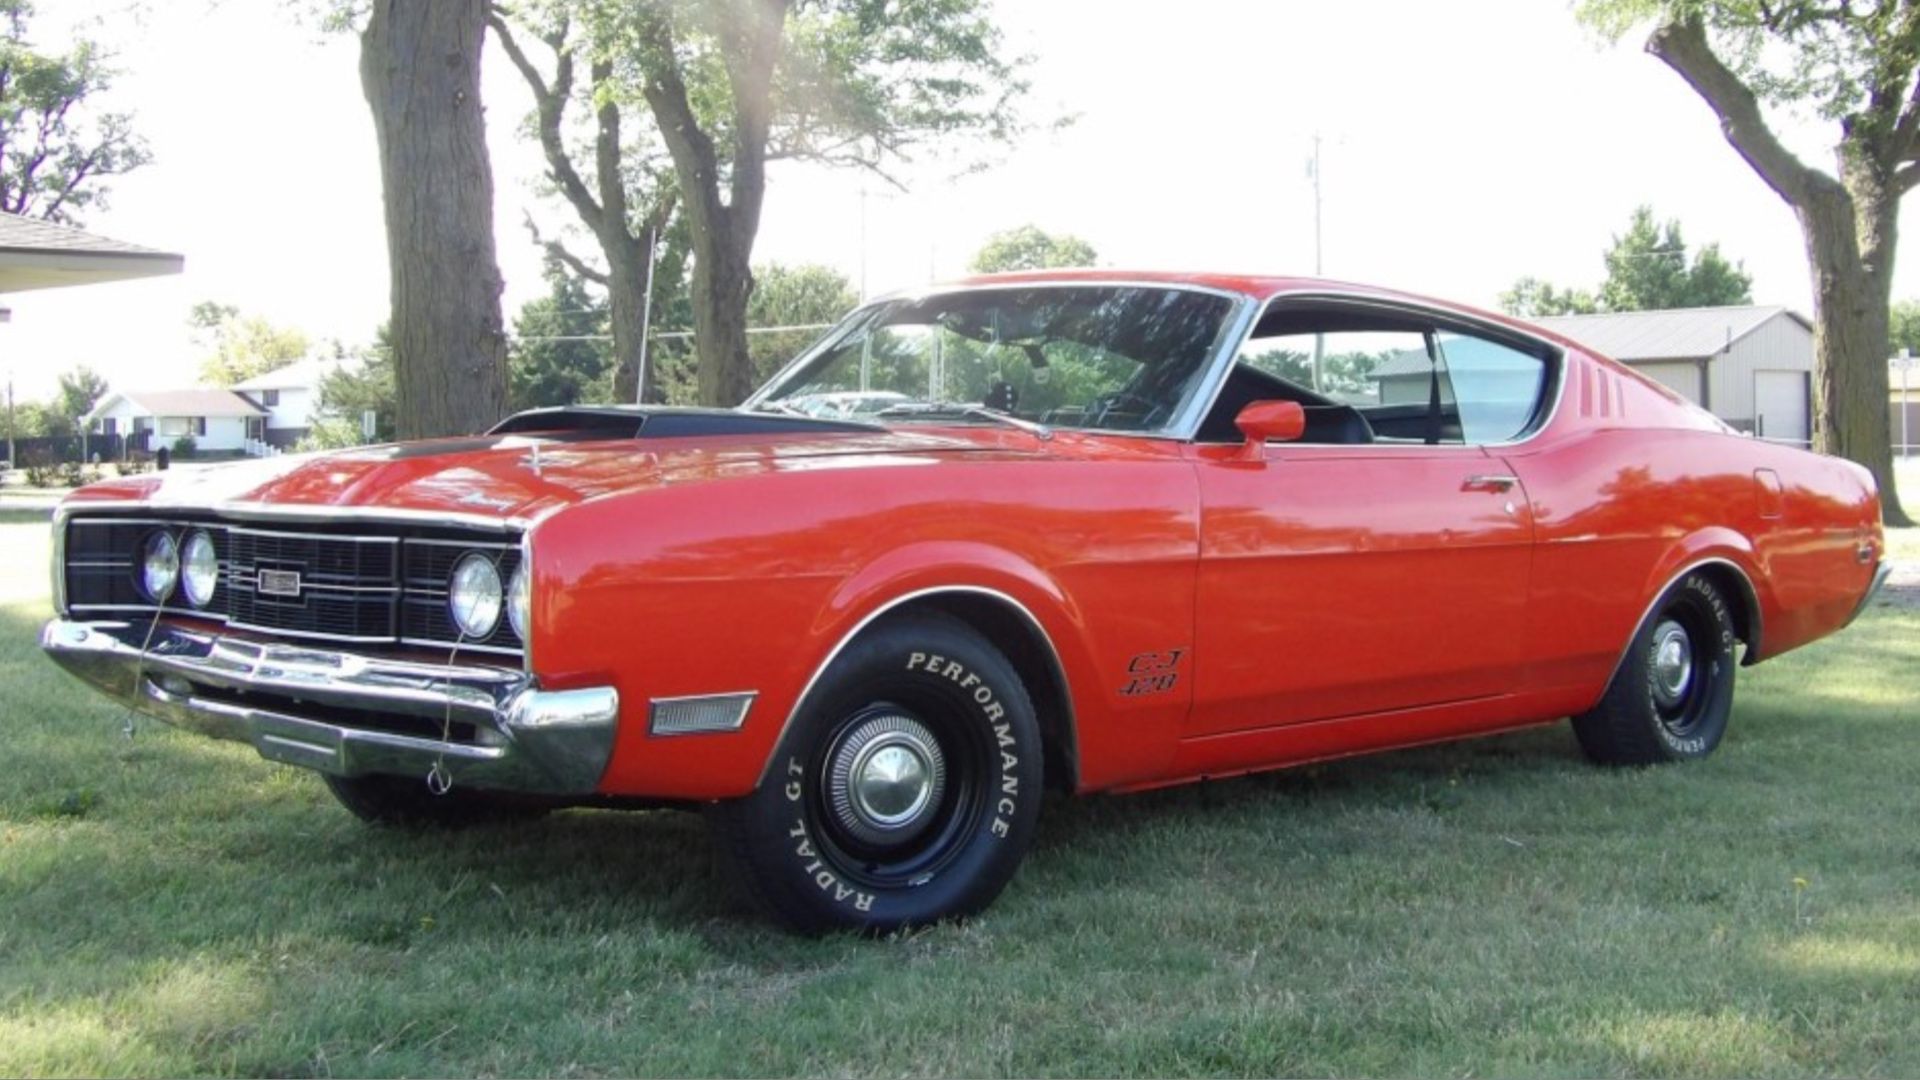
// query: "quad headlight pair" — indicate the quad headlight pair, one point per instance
point(474, 598)
point(193, 568)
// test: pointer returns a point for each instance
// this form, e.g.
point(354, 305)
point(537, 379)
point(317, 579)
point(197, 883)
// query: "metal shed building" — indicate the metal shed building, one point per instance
point(1751, 366)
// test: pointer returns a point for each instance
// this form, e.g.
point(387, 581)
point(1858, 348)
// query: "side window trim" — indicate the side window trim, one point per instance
point(1552, 356)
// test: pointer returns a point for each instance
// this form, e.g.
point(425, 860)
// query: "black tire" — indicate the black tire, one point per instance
point(403, 802)
point(1650, 714)
point(962, 772)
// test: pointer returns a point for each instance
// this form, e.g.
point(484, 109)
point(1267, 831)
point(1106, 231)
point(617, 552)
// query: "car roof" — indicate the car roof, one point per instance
point(1257, 286)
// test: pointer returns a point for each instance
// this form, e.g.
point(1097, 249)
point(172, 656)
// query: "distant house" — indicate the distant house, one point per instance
point(1750, 366)
point(291, 396)
point(218, 420)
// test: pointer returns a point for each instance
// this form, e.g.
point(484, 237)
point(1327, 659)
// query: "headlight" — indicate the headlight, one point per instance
point(520, 602)
point(159, 566)
point(473, 597)
point(201, 568)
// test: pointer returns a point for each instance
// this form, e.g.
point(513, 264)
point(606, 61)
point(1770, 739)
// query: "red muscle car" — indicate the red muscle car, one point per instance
point(1098, 531)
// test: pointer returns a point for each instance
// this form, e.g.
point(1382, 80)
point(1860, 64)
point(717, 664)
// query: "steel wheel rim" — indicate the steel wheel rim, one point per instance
point(932, 830)
point(885, 776)
point(1672, 655)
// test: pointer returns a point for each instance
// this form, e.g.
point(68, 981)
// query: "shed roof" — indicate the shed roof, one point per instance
point(37, 254)
point(1676, 334)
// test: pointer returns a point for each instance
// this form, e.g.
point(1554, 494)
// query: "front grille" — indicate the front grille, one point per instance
point(370, 584)
point(345, 588)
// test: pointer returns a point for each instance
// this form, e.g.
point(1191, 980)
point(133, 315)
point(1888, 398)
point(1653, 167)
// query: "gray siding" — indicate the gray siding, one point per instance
point(1779, 344)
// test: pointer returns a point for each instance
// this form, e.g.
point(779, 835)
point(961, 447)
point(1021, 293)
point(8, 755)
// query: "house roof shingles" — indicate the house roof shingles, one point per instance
point(37, 254)
point(210, 403)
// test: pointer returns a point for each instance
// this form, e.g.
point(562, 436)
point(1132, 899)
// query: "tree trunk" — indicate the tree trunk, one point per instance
point(420, 70)
point(627, 298)
point(722, 281)
point(1850, 236)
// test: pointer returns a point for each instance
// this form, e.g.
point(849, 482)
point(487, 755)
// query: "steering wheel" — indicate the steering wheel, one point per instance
point(1108, 405)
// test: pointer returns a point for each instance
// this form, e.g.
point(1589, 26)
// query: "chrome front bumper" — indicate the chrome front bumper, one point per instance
point(347, 714)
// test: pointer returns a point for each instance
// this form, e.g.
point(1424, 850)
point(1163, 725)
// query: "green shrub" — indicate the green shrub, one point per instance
point(42, 468)
point(185, 447)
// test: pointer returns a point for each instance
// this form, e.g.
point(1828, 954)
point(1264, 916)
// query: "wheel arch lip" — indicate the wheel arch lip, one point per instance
point(874, 610)
point(1688, 564)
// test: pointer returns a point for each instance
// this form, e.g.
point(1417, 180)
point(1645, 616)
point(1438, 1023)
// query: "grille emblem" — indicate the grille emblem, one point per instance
point(279, 583)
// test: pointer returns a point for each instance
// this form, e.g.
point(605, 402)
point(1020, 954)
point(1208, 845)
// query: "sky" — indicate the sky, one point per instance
point(1462, 145)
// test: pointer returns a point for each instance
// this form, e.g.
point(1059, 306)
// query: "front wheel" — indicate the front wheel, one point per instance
point(906, 791)
point(1673, 694)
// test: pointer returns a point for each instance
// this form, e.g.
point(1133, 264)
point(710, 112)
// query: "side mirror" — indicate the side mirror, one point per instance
point(1270, 421)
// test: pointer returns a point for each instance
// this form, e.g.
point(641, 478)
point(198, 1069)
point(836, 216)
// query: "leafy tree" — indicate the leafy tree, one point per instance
point(240, 347)
point(625, 198)
point(734, 85)
point(350, 390)
point(1849, 63)
point(554, 359)
point(1904, 328)
point(1648, 270)
point(420, 71)
point(1532, 298)
point(57, 150)
point(1030, 248)
point(80, 390)
point(806, 295)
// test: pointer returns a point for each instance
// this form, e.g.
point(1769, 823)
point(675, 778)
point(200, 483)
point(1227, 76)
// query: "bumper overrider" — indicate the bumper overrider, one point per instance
point(348, 714)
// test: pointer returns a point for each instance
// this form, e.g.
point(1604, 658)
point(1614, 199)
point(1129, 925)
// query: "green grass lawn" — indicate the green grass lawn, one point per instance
point(170, 905)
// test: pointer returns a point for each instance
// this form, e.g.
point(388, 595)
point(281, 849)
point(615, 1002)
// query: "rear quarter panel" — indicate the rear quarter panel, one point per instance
point(1637, 485)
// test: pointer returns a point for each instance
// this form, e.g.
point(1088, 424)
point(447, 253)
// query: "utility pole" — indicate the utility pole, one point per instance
point(13, 460)
point(1313, 170)
point(646, 320)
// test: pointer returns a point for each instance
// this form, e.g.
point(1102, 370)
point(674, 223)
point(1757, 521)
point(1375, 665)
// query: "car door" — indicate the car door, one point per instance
point(1344, 578)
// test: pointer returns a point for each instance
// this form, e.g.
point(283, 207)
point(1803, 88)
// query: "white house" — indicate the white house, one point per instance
point(218, 420)
point(1751, 366)
point(291, 396)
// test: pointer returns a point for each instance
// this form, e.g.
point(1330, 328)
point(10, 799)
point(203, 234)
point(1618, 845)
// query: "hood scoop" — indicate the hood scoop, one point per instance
point(584, 423)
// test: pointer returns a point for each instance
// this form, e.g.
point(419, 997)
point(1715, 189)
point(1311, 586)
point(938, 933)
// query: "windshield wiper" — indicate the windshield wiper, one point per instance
point(931, 409)
point(783, 407)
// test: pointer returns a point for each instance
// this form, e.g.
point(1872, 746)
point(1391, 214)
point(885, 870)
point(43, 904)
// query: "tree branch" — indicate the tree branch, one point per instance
point(694, 159)
point(550, 105)
point(750, 66)
point(559, 251)
point(1682, 44)
point(606, 149)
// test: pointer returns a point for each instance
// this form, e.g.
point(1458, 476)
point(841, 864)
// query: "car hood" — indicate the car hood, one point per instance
point(521, 478)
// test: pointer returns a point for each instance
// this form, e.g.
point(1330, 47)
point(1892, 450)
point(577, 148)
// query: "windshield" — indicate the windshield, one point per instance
point(1117, 358)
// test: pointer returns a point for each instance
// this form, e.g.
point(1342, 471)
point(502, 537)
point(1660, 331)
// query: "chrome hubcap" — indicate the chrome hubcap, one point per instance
point(1672, 663)
point(885, 778)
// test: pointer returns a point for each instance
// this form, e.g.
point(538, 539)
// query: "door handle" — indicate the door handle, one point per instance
point(1495, 484)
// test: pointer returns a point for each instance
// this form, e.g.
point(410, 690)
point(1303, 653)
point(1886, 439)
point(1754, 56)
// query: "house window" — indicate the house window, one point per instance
point(270, 398)
point(172, 427)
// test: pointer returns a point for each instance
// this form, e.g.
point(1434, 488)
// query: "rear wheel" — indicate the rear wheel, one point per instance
point(405, 802)
point(1673, 694)
point(906, 791)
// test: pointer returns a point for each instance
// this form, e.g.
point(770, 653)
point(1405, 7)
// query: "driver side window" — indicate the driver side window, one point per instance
point(1367, 375)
